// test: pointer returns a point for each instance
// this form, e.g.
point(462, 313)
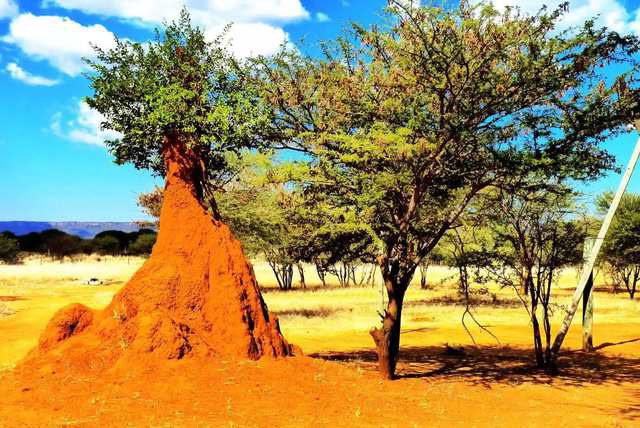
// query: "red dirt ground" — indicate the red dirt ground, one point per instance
point(482, 387)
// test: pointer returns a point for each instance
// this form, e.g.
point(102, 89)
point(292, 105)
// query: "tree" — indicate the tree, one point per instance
point(262, 207)
point(31, 242)
point(59, 244)
point(534, 237)
point(143, 244)
point(621, 248)
point(9, 248)
point(406, 124)
point(339, 247)
point(107, 245)
point(178, 90)
point(113, 242)
point(436, 257)
point(151, 203)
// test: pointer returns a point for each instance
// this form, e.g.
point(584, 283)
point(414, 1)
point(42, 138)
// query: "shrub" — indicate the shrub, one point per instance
point(106, 245)
point(143, 244)
point(8, 248)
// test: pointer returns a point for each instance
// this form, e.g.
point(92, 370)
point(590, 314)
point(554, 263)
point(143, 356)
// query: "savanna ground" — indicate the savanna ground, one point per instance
point(445, 380)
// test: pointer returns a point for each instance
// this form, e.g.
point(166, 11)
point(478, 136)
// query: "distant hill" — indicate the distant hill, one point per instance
point(84, 229)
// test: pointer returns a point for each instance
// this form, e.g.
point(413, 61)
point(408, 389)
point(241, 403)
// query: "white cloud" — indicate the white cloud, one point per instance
point(203, 11)
point(254, 38)
point(58, 40)
point(18, 73)
point(409, 3)
point(611, 14)
point(257, 23)
point(635, 25)
point(322, 17)
point(86, 128)
point(8, 8)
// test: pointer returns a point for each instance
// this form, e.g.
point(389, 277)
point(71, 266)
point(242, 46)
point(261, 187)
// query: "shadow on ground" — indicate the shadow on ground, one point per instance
point(487, 365)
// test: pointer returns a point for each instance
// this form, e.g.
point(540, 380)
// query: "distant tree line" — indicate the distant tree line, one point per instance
point(58, 244)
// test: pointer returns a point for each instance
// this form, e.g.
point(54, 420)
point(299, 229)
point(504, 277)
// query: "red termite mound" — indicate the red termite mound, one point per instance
point(195, 296)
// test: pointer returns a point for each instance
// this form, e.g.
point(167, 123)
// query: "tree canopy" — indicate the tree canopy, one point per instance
point(621, 248)
point(408, 122)
point(180, 85)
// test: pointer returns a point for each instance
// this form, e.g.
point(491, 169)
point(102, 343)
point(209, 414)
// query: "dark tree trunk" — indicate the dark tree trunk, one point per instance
point(287, 275)
point(387, 338)
point(342, 272)
point(423, 276)
point(322, 274)
point(526, 283)
point(537, 341)
point(283, 274)
point(372, 277)
point(303, 283)
point(634, 281)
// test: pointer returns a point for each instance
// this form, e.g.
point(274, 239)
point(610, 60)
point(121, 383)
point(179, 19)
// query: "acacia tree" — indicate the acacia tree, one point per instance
point(533, 239)
point(9, 247)
point(407, 123)
point(261, 211)
point(179, 89)
point(621, 250)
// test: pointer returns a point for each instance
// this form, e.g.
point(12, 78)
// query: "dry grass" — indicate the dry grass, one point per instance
point(318, 319)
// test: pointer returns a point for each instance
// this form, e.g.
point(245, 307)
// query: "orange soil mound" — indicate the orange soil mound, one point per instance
point(195, 296)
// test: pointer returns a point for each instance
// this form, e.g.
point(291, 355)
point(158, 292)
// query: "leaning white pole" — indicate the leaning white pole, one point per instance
point(593, 255)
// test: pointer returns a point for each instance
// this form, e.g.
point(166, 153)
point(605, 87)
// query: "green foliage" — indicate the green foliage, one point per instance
point(151, 203)
point(143, 244)
point(31, 242)
point(178, 86)
point(265, 213)
point(59, 244)
point(621, 248)
point(533, 238)
point(106, 245)
point(408, 123)
point(9, 248)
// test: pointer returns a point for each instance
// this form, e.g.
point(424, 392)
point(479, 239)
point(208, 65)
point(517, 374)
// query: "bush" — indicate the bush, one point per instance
point(63, 245)
point(106, 245)
point(123, 238)
point(143, 244)
point(32, 242)
point(9, 248)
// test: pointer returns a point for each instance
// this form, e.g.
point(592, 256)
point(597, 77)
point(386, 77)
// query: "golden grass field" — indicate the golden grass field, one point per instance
point(490, 384)
point(316, 319)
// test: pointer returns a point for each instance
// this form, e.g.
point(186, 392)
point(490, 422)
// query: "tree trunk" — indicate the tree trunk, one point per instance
point(526, 282)
point(322, 274)
point(387, 338)
point(372, 277)
point(303, 283)
point(342, 273)
point(537, 341)
point(423, 276)
point(283, 274)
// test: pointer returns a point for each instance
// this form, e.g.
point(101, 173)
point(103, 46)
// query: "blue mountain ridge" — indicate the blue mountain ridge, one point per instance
point(83, 229)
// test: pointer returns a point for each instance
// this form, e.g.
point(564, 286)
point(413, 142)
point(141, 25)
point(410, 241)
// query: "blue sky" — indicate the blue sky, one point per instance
point(52, 165)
